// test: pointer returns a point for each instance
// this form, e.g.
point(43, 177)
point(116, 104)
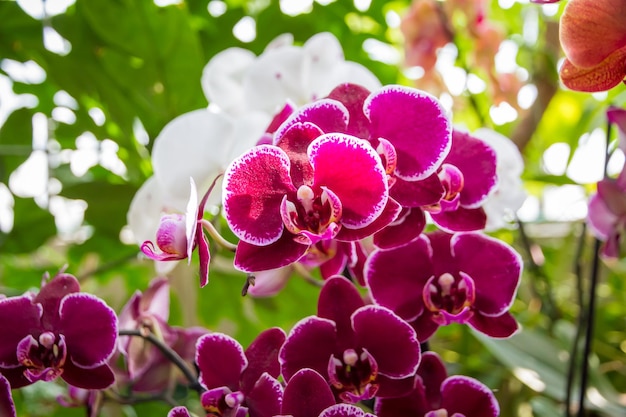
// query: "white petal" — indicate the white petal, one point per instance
point(222, 79)
point(280, 41)
point(325, 67)
point(195, 144)
point(274, 78)
point(144, 213)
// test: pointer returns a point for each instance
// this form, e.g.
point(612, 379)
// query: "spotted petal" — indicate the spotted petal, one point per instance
point(253, 189)
point(328, 115)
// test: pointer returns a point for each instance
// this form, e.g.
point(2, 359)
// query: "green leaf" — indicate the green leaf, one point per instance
point(32, 227)
point(540, 362)
point(16, 141)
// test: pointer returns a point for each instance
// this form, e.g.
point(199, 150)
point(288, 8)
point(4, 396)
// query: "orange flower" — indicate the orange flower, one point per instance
point(593, 37)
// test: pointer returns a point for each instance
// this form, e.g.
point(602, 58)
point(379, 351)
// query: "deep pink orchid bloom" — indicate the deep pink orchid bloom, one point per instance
point(362, 351)
point(282, 199)
point(178, 235)
point(238, 381)
point(147, 369)
point(307, 394)
point(7, 406)
point(593, 37)
point(440, 278)
point(430, 166)
point(607, 214)
point(58, 332)
point(437, 394)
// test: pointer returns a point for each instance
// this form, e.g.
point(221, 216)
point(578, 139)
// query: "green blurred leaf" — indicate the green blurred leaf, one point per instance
point(32, 227)
point(16, 141)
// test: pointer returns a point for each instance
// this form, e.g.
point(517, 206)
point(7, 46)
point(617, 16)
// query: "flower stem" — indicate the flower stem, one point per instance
point(169, 354)
point(219, 239)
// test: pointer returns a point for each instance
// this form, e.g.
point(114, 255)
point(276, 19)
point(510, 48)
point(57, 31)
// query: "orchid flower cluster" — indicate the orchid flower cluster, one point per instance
point(368, 187)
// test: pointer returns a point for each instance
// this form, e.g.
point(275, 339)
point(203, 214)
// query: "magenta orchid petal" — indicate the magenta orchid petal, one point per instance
point(328, 115)
point(7, 406)
point(494, 267)
point(179, 412)
point(432, 372)
point(477, 161)
point(460, 220)
point(362, 185)
point(155, 300)
point(407, 227)
point(377, 329)
point(150, 251)
point(295, 142)
point(601, 219)
point(394, 277)
point(307, 394)
point(57, 330)
point(353, 97)
point(468, 397)
point(417, 126)
point(204, 256)
point(394, 387)
point(90, 329)
point(309, 345)
point(285, 251)
point(262, 355)
point(500, 327)
point(425, 192)
point(253, 189)
point(612, 192)
point(390, 213)
point(98, 378)
point(264, 399)
point(221, 360)
point(51, 294)
point(24, 316)
point(337, 301)
point(171, 238)
point(425, 325)
point(344, 410)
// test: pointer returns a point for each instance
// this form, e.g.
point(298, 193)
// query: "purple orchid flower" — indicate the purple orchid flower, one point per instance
point(179, 412)
point(440, 278)
point(147, 369)
point(362, 351)
point(178, 235)
point(607, 214)
point(7, 406)
point(309, 186)
point(58, 332)
point(240, 382)
point(430, 166)
point(437, 394)
point(80, 397)
point(307, 394)
point(468, 176)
